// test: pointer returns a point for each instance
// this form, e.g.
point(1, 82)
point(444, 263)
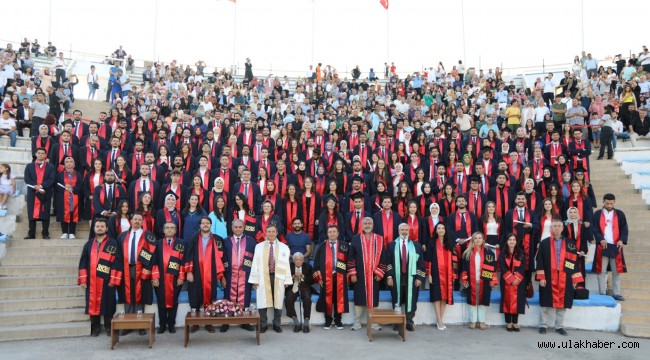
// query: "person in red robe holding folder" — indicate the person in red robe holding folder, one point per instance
point(100, 272)
point(479, 277)
point(441, 265)
point(558, 274)
point(204, 267)
point(168, 275)
point(512, 262)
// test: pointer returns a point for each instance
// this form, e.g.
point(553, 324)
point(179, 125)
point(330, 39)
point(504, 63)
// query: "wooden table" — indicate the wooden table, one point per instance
point(133, 322)
point(200, 319)
point(387, 316)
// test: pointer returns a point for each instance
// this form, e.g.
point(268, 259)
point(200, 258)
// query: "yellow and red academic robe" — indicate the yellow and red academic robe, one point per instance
point(513, 267)
point(100, 265)
point(325, 269)
point(68, 204)
point(367, 260)
point(560, 278)
point(144, 261)
point(442, 264)
point(487, 276)
point(207, 267)
point(620, 233)
point(168, 266)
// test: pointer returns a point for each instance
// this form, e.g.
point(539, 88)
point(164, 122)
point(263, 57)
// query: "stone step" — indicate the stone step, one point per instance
point(631, 254)
point(44, 331)
point(55, 233)
point(635, 317)
point(38, 270)
point(41, 243)
point(636, 285)
point(18, 318)
point(637, 265)
point(637, 294)
point(19, 251)
point(634, 330)
point(15, 153)
point(42, 304)
point(636, 275)
point(26, 260)
point(43, 292)
point(635, 305)
point(34, 281)
point(21, 142)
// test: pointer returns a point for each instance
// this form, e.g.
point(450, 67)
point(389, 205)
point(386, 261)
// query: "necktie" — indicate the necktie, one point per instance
point(113, 157)
point(237, 244)
point(521, 215)
point(460, 184)
point(356, 224)
point(109, 200)
point(137, 158)
point(144, 185)
point(132, 256)
point(476, 209)
point(65, 149)
point(404, 258)
point(483, 181)
point(92, 153)
point(169, 242)
point(271, 259)
point(246, 189)
point(463, 224)
point(332, 246)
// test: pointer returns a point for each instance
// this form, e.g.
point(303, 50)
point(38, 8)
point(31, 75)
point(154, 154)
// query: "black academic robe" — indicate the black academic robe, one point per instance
point(620, 233)
point(168, 266)
point(38, 203)
point(208, 269)
point(65, 212)
point(366, 270)
point(326, 267)
point(162, 216)
point(135, 190)
point(350, 220)
point(100, 268)
point(487, 276)
point(382, 226)
point(144, 254)
point(525, 236)
point(513, 267)
point(442, 264)
point(406, 279)
point(56, 155)
point(238, 288)
point(560, 278)
point(324, 220)
point(581, 235)
point(99, 198)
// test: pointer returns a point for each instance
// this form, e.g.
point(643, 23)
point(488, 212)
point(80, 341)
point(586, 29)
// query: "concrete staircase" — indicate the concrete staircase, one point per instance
point(608, 176)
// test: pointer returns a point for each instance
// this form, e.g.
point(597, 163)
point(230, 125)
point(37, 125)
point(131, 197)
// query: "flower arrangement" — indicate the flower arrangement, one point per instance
point(224, 308)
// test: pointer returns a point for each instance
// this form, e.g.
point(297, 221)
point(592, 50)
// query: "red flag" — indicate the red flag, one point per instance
point(384, 3)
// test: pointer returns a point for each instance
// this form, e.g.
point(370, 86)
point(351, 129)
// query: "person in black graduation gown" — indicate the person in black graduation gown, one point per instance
point(100, 272)
point(524, 223)
point(353, 218)
point(512, 262)
point(558, 274)
point(168, 213)
point(168, 276)
point(405, 273)
point(330, 272)
point(41, 176)
point(577, 231)
point(68, 199)
point(330, 215)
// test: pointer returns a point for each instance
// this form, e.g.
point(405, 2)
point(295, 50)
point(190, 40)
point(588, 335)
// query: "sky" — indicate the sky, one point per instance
point(277, 34)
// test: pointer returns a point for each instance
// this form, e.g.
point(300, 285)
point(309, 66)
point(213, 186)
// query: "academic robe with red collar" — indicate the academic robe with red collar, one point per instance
point(513, 267)
point(526, 237)
point(208, 269)
point(367, 261)
point(146, 245)
point(100, 268)
point(560, 278)
point(620, 233)
point(325, 269)
point(168, 266)
point(394, 220)
point(479, 295)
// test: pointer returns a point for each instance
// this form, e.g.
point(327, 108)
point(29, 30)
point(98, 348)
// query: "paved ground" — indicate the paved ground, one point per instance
point(456, 342)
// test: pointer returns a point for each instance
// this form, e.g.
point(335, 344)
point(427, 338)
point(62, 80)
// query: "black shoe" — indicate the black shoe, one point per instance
point(46, 237)
point(195, 328)
point(108, 331)
point(515, 329)
point(599, 158)
point(263, 329)
point(142, 332)
point(125, 332)
point(277, 329)
point(248, 327)
point(610, 157)
point(161, 330)
point(172, 330)
point(223, 328)
point(297, 328)
point(29, 237)
point(94, 332)
point(509, 329)
point(210, 329)
point(561, 331)
point(305, 329)
point(542, 330)
point(410, 328)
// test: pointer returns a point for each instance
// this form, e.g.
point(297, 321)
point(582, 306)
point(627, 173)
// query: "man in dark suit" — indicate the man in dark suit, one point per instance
point(386, 221)
point(143, 184)
point(63, 149)
point(302, 274)
point(461, 224)
point(87, 154)
point(353, 218)
point(238, 251)
point(22, 117)
point(250, 189)
point(80, 128)
point(524, 223)
point(39, 178)
point(227, 173)
point(107, 195)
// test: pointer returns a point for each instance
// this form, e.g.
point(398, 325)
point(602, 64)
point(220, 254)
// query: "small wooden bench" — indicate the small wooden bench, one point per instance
point(385, 317)
point(193, 318)
point(133, 322)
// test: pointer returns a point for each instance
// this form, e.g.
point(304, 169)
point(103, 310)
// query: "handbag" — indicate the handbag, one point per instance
point(529, 291)
point(95, 85)
point(580, 293)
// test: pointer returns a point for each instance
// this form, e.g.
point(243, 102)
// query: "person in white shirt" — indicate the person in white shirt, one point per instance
point(60, 66)
point(610, 232)
point(8, 126)
point(619, 131)
point(549, 90)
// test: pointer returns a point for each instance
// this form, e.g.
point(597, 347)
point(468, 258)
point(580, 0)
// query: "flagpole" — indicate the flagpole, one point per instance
point(387, 38)
point(313, 22)
point(462, 14)
point(155, 32)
